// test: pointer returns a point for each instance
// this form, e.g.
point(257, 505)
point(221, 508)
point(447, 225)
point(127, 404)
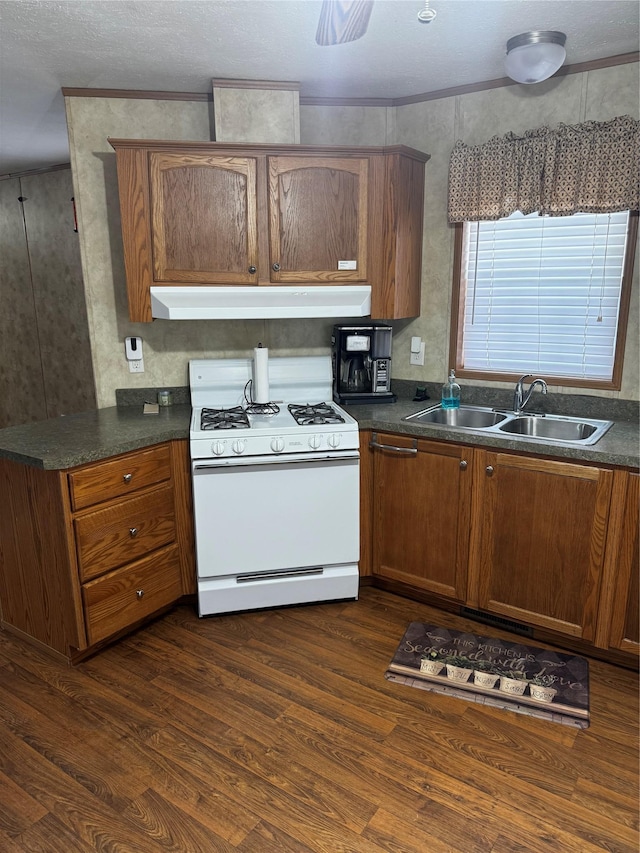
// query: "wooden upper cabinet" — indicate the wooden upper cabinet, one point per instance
point(318, 219)
point(233, 214)
point(204, 223)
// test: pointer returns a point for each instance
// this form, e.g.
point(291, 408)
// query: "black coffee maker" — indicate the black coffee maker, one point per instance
point(361, 362)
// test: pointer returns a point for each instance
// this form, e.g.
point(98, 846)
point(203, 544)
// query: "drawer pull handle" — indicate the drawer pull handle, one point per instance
point(127, 478)
point(489, 470)
point(463, 464)
point(133, 532)
point(411, 451)
point(139, 593)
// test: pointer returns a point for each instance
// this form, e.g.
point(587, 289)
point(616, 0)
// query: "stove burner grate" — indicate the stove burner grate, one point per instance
point(235, 418)
point(262, 408)
point(310, 414)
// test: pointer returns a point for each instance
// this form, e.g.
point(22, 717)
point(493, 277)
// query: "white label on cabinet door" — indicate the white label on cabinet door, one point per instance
point(347, 265)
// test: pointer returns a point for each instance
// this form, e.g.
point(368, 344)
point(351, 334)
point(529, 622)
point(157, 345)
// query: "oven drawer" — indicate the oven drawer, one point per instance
point(121, 598)
point(120, 476)
point(126, 531)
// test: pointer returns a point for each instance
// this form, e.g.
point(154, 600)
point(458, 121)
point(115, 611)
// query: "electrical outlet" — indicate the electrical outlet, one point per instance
point(418, 357)
point(133, 354)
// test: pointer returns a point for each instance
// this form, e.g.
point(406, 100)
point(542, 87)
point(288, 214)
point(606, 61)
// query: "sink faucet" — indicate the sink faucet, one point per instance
point(520, 399)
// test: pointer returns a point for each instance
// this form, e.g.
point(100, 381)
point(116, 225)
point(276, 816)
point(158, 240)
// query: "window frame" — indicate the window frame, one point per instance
point(457, 321)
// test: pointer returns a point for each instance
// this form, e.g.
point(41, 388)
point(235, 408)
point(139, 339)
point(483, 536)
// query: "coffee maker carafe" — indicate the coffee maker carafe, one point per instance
point(361, 360)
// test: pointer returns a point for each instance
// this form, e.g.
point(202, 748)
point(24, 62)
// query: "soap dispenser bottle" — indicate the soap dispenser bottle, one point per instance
point(451, 393)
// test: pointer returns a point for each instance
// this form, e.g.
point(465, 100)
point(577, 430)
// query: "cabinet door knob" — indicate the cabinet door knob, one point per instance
point(489, 470)
point(276, 267)
point(133, 532)
point(252, 270)
point(463, 464)
point(139, 593)
point(127, 478)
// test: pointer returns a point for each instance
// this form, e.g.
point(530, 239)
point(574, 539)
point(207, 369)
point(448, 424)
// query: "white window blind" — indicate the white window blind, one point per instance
point(542, 294)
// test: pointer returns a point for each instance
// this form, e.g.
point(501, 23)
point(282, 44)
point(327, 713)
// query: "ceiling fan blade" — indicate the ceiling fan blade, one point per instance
point(343, 20)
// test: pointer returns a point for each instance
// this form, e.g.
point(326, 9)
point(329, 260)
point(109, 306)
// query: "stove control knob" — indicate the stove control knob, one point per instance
point(217, 448)
point(277, 445)
point(315, 441)
point(334, 440)
point(239, 446)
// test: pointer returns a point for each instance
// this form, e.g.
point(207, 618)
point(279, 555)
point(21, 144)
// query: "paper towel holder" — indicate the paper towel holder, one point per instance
point(260, 404)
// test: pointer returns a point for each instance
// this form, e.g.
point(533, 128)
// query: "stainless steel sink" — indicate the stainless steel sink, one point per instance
point(549, 428)
point(471, 417)
point(556, 428)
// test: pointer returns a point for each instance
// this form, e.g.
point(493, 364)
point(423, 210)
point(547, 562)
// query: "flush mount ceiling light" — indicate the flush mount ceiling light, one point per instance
point(533, 57)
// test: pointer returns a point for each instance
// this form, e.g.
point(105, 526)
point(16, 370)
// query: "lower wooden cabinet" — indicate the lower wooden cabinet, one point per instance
point(619, 626)
point(124, 597)
point(88, 552)
point(421, 513)
point(539, 538)
point(121, 532)
point(549, 544)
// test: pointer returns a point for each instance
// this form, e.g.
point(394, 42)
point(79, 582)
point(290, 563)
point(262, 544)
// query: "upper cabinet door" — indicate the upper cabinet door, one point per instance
point(204, 218)
point(318, 219)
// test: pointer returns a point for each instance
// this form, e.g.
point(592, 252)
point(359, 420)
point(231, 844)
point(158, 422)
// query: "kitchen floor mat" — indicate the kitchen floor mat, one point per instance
point(552, 686)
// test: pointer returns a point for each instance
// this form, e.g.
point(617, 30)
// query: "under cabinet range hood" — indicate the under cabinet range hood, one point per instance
point(260, 303)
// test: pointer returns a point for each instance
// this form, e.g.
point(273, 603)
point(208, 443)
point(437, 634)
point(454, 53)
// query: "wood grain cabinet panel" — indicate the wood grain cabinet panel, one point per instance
point(539, 537)
point(234, 214)
point(546, 543)
point(119, 477)
point(422, 500)
point(318, 209)
point(619, 623)
point(122, 598)
point(204, 218)
point(76, 546)
point(120, 533)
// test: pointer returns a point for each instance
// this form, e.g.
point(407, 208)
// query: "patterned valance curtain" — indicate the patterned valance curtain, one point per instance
point(592, 168)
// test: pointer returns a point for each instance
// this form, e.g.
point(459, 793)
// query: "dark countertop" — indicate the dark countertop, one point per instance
point(73, 440)
point(619, 446)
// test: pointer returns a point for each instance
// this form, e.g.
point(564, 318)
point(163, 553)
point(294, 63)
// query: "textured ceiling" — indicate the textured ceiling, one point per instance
point(180, 46)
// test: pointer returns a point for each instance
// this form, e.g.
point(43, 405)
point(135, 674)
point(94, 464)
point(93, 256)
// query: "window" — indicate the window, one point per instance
point(544, 295)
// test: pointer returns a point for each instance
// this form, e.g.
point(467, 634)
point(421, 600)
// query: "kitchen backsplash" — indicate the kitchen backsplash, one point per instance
point(577, 405)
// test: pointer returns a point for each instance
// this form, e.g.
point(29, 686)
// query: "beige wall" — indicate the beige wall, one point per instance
point(167, 345)
point(432, 126)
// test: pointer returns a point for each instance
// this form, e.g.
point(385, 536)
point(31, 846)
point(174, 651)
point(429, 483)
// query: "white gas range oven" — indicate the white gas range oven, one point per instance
point(275, 484)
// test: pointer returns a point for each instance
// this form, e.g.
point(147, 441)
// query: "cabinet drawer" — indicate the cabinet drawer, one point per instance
point(120, 476)
point(126, 531)
point(121, 598)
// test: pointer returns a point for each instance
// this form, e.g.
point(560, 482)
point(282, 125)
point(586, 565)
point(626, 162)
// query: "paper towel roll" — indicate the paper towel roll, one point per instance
point(261, 375)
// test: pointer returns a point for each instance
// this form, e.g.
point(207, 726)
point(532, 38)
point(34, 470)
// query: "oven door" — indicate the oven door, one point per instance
point(271, 514)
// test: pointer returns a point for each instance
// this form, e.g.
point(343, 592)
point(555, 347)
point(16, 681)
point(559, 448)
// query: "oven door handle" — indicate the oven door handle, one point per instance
point(276, 460)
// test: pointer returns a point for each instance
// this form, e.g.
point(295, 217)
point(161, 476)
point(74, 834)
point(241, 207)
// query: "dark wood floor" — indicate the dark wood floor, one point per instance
point(277, 731)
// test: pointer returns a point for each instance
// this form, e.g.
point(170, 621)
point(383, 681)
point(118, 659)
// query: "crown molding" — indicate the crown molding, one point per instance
point(41, 171)
point(225, 83)
point(576, 68)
